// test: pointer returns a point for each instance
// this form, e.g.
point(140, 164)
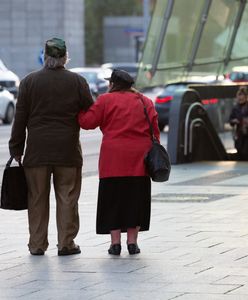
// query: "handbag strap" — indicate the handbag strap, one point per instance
point(9, 162)
point(147, 118)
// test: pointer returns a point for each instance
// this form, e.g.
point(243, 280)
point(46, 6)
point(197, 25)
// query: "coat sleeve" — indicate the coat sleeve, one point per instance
point(155, 126)
point(93, 117)
point(18, 133)
point(153, 115)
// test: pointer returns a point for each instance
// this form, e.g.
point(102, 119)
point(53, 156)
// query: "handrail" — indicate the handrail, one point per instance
point(186, 128)
point(191, 132)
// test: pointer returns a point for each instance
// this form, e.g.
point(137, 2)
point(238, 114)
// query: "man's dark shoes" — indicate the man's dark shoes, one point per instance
point(115, 249)
point(133, 249)
point(66, 251)
point(37, 252)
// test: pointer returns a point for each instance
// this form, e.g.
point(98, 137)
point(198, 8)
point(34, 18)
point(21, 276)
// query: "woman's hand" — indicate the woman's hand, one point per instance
point(234, 121)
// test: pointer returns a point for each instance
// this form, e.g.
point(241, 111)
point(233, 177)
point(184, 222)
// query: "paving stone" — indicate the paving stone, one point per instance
point(201, 288)
point(138, 295)
point(191, 296)
point(230, 279)
point(243, 290)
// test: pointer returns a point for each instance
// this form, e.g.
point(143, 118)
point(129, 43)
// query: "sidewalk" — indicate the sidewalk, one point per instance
point(197, 247)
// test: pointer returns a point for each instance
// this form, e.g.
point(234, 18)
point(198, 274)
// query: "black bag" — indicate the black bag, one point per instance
point(157, 160)
point(14, 192)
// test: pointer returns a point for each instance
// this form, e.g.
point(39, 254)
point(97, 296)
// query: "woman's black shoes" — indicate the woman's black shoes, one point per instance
point(133, 249)
point(115, 249)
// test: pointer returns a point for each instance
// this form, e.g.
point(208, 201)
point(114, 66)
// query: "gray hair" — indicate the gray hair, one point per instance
point(53, 62)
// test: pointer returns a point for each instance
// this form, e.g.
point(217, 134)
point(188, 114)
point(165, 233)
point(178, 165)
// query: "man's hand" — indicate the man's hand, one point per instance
point(18, 158)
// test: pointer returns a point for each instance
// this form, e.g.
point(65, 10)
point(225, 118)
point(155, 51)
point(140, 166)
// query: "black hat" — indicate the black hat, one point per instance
point(55, 47)
point(120, 75)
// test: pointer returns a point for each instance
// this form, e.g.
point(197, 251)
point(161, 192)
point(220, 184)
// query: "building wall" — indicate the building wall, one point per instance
point(25, 25)
point(120, 38)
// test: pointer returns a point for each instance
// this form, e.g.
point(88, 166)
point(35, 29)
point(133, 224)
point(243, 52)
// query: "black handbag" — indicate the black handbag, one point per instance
point(14, 191)
point(157, 160)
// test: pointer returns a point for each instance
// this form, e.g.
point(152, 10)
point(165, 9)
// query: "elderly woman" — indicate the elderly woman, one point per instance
point(124, 195)
point(239, 120)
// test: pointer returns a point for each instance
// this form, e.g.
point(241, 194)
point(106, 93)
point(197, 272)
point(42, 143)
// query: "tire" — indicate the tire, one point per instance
point(9, 115)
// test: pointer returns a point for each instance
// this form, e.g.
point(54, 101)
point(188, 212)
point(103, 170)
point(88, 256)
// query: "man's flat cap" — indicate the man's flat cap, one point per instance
point(120, 75)
point(55, 47)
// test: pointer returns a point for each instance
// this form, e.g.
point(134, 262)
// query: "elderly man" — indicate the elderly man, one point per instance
point(47, 107)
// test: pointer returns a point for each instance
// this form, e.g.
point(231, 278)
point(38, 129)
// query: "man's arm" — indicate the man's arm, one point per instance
point(85, 94)
point(18, 133)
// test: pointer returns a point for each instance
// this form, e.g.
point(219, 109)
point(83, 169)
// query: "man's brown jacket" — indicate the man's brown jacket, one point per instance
point(47, 107)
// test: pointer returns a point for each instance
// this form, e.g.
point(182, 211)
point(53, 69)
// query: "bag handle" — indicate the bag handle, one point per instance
point(10, 161)
point(147, 118)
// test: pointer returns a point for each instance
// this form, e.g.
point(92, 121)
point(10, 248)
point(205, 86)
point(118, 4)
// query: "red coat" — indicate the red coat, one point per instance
point(126, 138)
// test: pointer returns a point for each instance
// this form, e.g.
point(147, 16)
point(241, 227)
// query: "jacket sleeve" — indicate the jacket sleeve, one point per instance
point(233, 115)
point(93, 117)
point(18, 133)
point(85, 94)
point(153, 115)
point(155, 125)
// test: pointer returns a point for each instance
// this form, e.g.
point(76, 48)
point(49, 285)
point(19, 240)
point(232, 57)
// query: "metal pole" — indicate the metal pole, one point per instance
point(146, 16)
point(162, 34)
point(198, 34)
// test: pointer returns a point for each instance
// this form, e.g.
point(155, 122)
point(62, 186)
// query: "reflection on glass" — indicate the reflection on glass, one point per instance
point(180, 41)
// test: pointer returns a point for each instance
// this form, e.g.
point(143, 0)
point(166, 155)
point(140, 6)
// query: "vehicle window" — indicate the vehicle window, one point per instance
point(91, 77)
point(238, 76)
point(173, 87)
point(128, 69)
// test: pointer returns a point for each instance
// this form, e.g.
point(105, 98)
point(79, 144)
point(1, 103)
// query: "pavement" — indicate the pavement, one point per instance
point(196, 248)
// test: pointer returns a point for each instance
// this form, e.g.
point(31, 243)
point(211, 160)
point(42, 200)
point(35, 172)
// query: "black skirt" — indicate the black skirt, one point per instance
point(123, 202)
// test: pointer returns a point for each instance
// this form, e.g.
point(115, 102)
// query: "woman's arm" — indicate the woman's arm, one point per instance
point(155, 126)
point(93, 117)
point(153, 116)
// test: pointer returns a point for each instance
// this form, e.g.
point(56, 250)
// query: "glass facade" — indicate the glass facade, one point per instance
point(241, 42)
point(188, 37)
